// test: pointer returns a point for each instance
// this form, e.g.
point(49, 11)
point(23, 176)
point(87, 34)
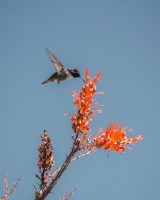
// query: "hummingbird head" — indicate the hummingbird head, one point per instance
point(76, 74)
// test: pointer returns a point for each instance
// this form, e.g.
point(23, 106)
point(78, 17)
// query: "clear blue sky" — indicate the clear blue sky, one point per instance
point(119, 38)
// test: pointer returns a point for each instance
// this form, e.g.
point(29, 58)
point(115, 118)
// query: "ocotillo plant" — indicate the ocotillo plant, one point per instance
point(7, 190)
point(113, 138)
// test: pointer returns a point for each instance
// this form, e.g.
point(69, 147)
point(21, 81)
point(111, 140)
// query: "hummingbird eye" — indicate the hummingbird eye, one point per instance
point(76, 70)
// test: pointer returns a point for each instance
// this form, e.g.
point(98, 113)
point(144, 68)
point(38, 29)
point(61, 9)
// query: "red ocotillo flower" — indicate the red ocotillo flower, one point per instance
point(113, 139)
point(83, 101)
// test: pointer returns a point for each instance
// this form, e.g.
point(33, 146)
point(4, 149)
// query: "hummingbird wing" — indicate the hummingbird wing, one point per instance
point(56, 63)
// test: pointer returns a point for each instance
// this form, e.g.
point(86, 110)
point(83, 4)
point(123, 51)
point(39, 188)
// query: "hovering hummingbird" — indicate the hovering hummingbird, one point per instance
point(61, 73)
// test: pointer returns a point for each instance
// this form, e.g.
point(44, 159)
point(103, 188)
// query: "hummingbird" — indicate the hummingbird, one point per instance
point(61, 73)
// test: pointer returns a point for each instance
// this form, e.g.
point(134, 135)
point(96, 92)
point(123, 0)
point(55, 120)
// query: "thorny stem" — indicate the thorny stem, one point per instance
point(74, 159)
point(43, 172)
point(82, 155)
point(54, 181)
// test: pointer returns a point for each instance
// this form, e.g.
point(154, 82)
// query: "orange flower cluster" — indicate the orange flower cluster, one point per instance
point(45, 161)
point(83, 101)
point(114, 139)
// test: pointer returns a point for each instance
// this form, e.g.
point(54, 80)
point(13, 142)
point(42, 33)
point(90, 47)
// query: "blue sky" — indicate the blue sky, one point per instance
point(119, 38)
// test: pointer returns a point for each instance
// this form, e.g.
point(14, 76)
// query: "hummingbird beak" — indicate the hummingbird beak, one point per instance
point(83, 80)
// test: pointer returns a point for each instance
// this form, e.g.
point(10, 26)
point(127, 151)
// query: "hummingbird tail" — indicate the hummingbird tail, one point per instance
point(44, 82)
